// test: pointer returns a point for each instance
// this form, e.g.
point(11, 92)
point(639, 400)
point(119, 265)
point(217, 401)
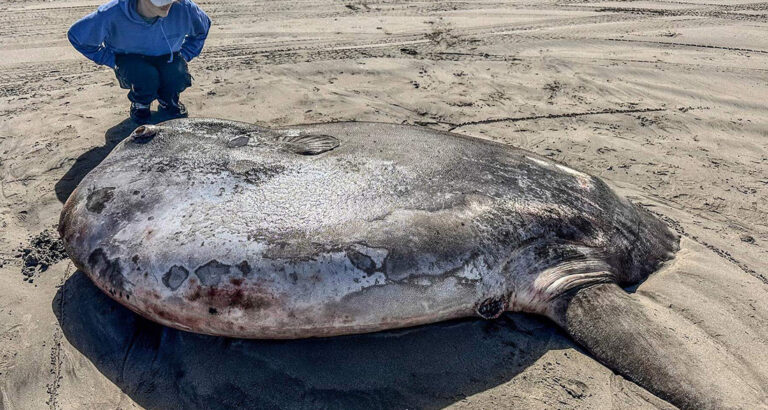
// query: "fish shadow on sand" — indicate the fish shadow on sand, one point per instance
point(93, 157)
point(423, 367)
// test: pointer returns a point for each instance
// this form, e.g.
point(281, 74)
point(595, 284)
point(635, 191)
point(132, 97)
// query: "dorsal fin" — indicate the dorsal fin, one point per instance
point(309, 144)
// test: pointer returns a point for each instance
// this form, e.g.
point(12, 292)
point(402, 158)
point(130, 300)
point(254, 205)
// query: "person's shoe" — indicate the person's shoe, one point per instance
point(177, 110)
point(140, 113)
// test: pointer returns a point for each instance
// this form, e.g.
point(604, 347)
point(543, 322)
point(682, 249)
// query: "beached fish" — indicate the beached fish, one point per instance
point(232, 229)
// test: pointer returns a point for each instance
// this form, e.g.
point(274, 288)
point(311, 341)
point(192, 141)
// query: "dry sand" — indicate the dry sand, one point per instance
point(664, 100)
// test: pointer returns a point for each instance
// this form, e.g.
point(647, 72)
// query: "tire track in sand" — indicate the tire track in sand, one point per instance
point(58, 335)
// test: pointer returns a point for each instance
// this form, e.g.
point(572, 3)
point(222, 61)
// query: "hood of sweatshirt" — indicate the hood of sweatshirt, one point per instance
point(129, 8)
point(118, 28)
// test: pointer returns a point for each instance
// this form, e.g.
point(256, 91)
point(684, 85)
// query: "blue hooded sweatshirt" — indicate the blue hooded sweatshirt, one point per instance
point(117, 28)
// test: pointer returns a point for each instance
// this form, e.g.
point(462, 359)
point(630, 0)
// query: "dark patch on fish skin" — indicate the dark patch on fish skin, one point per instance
point(361, 261)
point(491, 308)
point(227, 297)
point(175, 277)
point(261, 174)
point(244, 267)
point(396, 262)
point(162, 165)
point(98, 199)
point(576, 229)
point(108, 270)
point(213, 310)
point(195, 295)
point(236, 298)
point(238, 142)
point(210, 273)
point(297, 251)
point(246, 300)
point(252, 172)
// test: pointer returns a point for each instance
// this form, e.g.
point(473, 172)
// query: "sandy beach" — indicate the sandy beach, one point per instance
point(664, 100)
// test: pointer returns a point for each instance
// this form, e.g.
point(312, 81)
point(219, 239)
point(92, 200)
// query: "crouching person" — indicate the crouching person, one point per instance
point(148, 43)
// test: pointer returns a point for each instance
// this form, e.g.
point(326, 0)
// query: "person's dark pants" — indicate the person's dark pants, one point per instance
point(152, 77)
